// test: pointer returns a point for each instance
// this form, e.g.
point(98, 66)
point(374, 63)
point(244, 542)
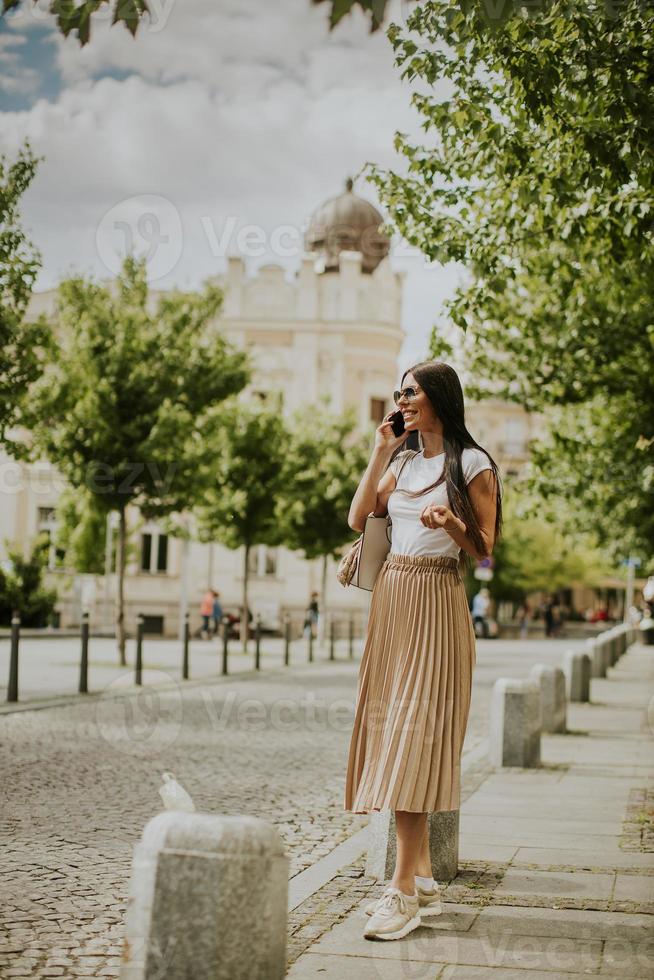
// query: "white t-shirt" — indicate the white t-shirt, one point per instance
point(409, 535)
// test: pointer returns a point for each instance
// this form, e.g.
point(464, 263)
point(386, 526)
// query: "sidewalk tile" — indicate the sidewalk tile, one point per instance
point(574, 923)
point(500, 973)
point(634, 888)
point(629, 959)
point(611, 857)
point(429, 944)
point(325, 966)
point(471, 851)
point(555, 884)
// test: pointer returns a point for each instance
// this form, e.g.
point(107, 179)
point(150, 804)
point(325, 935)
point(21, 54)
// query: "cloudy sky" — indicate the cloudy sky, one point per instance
point(217, 130)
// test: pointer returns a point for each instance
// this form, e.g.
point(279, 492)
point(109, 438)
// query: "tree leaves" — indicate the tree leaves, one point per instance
point(539, 178)
point(23, 345)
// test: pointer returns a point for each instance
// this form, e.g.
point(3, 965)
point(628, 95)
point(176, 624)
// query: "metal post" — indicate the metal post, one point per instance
point(225, 642)
point(287, 639)
point(257, 643)
point(139, 650)
point(12, 687)
point(84, 661)
point(332, 637)
point(187, 635)
point(350, 638)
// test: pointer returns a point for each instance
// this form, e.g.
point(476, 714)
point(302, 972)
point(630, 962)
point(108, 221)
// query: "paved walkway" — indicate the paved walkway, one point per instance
point(556, 871)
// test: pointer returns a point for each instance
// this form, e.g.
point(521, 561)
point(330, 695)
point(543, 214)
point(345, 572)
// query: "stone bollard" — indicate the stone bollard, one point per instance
point(208, 900)
point(443, 830)
point(596, 650)
point(576, 667)
point(515, 723)
point(551, 681)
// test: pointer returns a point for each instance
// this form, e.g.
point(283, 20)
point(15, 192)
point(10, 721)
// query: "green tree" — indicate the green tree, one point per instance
point(244, 477)
point(540, 550)
point(23, 344)
point(537, 175)
point(22, 588)
point(122, 408)
point(322, 470)
point(82, 530)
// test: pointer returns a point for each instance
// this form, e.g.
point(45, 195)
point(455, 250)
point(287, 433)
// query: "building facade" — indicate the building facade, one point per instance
point(332, 329)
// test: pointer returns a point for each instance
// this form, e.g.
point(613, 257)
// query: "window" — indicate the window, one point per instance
point(162, 553)
point(154, 552)
point(377, 410)
point(146, 552)
point(262, 561)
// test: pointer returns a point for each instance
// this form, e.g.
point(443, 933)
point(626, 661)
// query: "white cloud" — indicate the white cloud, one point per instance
point(252, 112)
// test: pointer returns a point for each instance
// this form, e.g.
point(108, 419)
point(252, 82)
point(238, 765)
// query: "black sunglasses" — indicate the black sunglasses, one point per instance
point(409, 392)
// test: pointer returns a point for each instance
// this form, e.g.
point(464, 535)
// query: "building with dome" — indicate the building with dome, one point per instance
point(331, 329)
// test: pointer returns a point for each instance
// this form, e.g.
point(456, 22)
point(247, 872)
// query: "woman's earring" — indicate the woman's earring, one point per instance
point(420, 443)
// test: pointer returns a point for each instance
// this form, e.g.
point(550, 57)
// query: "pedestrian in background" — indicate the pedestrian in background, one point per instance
point(480, 609)
point(415, 676)
point(206, 611)
point(522, 617)
point(311, 616)
point(216, 612)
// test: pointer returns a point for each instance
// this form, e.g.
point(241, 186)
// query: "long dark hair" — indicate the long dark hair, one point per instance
point(441, 384)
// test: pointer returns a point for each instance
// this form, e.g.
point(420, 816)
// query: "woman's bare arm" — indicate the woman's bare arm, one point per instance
point(483, 498)
point(377, 484)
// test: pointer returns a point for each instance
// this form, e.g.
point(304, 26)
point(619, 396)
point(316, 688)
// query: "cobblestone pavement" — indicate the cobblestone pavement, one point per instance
point(80, 781)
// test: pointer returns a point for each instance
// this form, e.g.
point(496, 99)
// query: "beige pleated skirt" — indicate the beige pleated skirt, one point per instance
point(414, 689)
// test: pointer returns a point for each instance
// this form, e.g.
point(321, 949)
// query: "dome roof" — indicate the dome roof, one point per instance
point(347, 222)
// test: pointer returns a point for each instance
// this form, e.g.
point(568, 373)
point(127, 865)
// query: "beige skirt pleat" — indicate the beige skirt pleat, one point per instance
point(414, 689)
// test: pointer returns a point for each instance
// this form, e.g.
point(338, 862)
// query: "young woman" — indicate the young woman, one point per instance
point(415, 676)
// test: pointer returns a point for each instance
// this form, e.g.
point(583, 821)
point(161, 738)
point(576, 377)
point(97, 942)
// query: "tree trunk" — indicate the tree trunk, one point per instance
point(122, 557)
point(244, 608)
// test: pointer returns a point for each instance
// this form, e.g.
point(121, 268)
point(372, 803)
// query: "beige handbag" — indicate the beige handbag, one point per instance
point(361, 564)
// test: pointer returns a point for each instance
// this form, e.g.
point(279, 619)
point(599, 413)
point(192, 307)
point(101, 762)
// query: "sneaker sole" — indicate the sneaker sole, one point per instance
point(409, 927)
point(435, 909)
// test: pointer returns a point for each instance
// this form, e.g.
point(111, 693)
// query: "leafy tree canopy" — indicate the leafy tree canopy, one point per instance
point(536, 174)
point(23, 345)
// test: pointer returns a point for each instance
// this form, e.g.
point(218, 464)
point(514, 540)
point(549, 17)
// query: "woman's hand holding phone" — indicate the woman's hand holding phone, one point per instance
point(391, 433)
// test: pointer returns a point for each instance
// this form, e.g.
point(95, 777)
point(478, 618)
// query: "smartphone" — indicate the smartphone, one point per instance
point(398, 423)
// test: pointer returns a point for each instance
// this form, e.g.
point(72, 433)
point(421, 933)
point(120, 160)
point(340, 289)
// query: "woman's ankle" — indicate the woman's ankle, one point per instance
point(407, 887)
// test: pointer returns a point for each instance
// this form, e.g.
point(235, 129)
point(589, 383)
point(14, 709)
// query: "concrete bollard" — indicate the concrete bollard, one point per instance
point(443, 830)
point(576, 667)
point(515, 723)
point(208, 900)
point(551, 681)
point(595, 649)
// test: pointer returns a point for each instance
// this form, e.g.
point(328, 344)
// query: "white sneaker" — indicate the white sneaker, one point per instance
point(395, 915)
point(429, 901)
